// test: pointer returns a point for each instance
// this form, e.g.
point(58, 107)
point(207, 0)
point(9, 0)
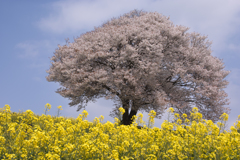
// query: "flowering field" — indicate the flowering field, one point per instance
point(29, 136)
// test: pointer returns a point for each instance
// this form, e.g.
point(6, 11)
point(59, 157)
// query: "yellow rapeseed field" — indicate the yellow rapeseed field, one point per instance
point(28, 136)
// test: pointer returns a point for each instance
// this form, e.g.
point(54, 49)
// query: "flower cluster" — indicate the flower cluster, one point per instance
point(29, 136)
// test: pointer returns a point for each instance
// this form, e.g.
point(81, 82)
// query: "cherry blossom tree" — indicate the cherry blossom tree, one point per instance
point(144, 62)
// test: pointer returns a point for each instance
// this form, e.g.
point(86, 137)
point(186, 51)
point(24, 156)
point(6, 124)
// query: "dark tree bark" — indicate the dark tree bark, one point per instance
point(127, 117)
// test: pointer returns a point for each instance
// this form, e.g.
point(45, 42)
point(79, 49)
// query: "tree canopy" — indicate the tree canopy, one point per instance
point(144, 62)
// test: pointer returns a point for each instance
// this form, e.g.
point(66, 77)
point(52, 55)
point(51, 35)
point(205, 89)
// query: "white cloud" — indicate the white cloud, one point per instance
point(216, 18)
point(83, 15)
point(219, 19)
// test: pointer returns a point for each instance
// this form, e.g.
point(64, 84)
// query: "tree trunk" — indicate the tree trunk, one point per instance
point(127, 118)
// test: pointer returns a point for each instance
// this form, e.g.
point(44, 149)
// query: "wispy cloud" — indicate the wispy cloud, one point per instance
point(217, 18)
point(72, 16)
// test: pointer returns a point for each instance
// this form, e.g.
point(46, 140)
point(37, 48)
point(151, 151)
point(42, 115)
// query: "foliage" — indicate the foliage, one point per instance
point(144, 62)
point(29, 136)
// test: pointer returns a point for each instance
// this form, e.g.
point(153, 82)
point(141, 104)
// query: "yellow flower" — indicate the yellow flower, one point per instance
point(29, 112)
point(7, 108)
point(233, 129)
point(152, 113)
point(176, 115)
point(116, 120)
point(85, 113)
point(122, 110)
point(23, 156)
point(195, 109)
point(59, 107)
point(187, 121)
point(10, 156)
point(106, 141)
point(101, 118)
point(115, 154)
point(224, 117)
point(179, 121)
point(133, 117)
point(171, 110)
point(139, 119)
point(184, 115)
point(2, 139)
point(48, 106)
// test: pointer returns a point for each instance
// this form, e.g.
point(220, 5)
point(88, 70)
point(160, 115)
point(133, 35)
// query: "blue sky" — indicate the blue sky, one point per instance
point(30, 31)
